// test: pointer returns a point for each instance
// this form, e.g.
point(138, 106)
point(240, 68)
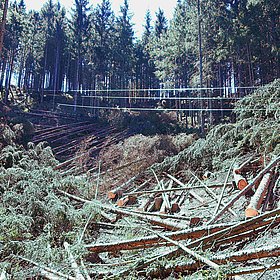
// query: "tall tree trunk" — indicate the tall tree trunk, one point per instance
point(9, 77)
point(44, 75)
point(201, 114)
point(57, 58)
point(2, 26)
point(77, 82)
point(3, 70)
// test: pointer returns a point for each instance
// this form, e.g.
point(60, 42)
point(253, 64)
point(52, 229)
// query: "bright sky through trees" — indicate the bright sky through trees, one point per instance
point(137, 7)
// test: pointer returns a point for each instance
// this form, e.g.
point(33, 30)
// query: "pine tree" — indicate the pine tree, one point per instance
point(80, 27)
point(124, 48)
point(15, 27)
point(161, 23)
point(104, 27)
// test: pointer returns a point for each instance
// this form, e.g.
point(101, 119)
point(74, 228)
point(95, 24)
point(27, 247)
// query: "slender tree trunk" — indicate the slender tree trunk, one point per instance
point(9, 77)
point(77, 81)
point(55, 74)
point(201, 114)
point(4, 65)
point(2, 26)
point(44, 75)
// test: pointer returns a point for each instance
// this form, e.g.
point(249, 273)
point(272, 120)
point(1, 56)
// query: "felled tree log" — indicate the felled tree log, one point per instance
point(199, 257)
point(253, 269)
point(204, 235)
point(246, 189)
point(220, 234)
point(255, 204)
point(239, 180)
point(154, 240)
point(156, 205)
point(147, 202)
point(48, 271)
point(235, 257)
point(167, 225)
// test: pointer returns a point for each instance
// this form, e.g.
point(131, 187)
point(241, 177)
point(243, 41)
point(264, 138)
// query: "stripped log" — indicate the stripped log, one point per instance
point(191, 192)
point(189, 251)
point(74, 265)
point(249, 187)
point(210, 192)
point(255, 204)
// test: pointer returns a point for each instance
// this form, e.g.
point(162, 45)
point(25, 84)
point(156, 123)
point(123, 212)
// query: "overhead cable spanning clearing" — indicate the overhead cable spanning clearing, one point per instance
point(159, 109)
point(163, 89)
point(161, 97)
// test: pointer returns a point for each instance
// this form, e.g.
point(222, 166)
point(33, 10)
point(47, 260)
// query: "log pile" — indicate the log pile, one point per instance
point(189, 228)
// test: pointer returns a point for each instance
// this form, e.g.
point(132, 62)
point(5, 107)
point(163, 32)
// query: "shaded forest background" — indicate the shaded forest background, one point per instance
point(92, 48)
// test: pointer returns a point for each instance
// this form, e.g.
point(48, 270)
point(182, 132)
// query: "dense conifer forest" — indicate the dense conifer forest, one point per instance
point(151, 157)
point(93, 48)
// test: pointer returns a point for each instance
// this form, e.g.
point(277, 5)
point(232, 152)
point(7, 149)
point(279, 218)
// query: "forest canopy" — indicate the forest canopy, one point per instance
point(92, 48)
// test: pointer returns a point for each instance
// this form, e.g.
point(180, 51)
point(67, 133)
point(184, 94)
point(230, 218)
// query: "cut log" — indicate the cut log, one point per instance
point(147, 203)
point(118, 192)
point(161, 187)
point(156, 205)
point(239, 180)
point(167, 225)
point(256, 222)
point(257, 199)
point(195, 221)
point(249, 187)
point(127, 200)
